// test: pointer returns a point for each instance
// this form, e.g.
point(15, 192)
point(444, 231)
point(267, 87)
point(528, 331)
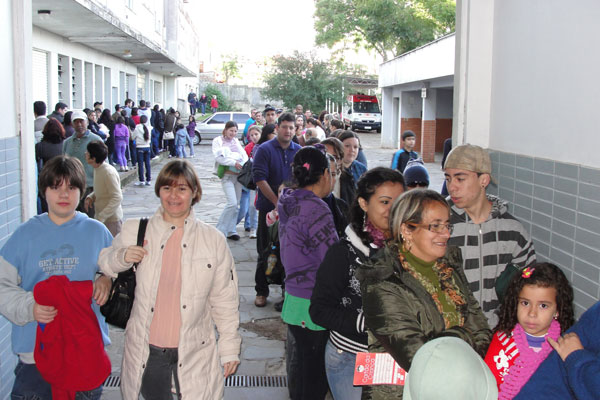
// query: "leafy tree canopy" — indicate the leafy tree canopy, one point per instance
point(230, 67)
point(303, 79)
point(390, 27)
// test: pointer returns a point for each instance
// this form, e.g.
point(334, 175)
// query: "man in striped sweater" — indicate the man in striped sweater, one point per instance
point(489, 237)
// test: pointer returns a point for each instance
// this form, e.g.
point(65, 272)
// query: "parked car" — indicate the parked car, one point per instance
point(213, 126)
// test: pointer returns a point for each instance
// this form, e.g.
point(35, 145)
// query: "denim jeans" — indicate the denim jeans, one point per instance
point(190, 143)
point(132, 152)
point(203, 107)
point(180, 150)
point(155, 141)
point(29, 385)
point(160, 368)
point(233, 192)
point(247, 209)
point(143, 156)
point(339, 366)
point(308, 373)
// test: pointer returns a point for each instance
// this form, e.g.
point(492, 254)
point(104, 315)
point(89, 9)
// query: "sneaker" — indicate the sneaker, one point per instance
point(148, 183)
point(156, 157)
point(235, 237)
point(247, 229)
point(252, 233)
point(140, 183)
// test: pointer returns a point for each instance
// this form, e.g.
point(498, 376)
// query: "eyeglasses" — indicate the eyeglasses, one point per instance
point(436, 228)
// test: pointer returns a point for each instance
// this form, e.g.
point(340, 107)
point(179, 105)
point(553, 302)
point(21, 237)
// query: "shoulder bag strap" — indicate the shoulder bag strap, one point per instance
point(140, 236)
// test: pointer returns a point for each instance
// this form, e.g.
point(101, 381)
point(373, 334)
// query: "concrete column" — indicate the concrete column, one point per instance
point(387, 118)
point(428, 126)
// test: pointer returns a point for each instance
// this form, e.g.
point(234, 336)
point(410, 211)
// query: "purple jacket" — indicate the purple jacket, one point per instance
point(191, 129)
point(306, 231)
point(121, 132)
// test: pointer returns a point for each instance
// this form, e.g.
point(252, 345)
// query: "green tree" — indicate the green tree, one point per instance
point(390, 27)
point(230, 67)
point(302, 79)
point(224, 103)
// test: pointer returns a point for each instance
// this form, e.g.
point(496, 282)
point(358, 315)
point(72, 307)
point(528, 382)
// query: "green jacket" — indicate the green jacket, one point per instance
point(401, 316)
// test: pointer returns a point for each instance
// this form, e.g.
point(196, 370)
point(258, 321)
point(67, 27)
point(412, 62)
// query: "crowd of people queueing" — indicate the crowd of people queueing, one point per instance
point(376, 262)
point(371, 261)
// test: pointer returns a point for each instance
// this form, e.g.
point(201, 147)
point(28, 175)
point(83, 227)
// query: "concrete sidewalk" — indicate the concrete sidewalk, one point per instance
point(263, 333)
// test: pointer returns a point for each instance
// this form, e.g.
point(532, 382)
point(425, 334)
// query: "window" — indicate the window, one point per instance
point(366, 107)
point(240, 119)
point(220, 118)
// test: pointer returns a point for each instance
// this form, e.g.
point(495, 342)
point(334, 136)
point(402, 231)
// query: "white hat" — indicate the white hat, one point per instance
point(78, 114)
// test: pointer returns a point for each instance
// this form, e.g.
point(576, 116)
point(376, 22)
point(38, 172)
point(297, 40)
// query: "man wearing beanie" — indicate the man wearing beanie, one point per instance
point(489, 237)
point(416, 175)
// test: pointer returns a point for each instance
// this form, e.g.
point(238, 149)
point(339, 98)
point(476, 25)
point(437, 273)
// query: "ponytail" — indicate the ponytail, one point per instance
point(143, 121)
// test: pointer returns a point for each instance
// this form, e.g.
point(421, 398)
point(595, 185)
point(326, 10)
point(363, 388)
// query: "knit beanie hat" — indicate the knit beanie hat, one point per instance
point(415, 172)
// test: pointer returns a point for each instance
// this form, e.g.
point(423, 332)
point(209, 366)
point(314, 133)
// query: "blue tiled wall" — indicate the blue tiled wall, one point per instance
point(559, 204)
point(10, 218)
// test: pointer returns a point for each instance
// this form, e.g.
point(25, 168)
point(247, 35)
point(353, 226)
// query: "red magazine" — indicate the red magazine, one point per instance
point(377, 369)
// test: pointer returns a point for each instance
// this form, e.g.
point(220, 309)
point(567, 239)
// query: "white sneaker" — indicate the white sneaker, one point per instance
point(148, 183)
point(140, 183)
point(252, 234)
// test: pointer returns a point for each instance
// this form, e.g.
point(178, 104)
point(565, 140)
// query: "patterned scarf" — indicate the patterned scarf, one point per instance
point(451, 291)
point(528, 361)
point(377, 236)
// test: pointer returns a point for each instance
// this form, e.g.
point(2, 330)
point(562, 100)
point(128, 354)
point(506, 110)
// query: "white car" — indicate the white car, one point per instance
point(213, 126)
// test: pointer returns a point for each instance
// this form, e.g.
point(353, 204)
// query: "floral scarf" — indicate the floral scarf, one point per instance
point(451, 291)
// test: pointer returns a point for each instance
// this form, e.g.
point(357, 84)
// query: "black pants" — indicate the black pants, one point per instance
point(308, 370)
point(262, 241)
point(160, 368)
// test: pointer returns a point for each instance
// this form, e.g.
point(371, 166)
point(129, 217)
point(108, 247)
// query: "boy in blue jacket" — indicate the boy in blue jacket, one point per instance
point(60, 242)
point(406, 153)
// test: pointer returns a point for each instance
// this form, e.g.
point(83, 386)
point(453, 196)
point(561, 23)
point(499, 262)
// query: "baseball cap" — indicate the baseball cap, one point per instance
point(430, 377)
point(269, 107)
point(78, 114)
point(415, 173)
point(469, 157)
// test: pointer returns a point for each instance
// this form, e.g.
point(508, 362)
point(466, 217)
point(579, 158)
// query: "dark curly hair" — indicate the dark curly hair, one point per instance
point(545, 275)
point(366, 187)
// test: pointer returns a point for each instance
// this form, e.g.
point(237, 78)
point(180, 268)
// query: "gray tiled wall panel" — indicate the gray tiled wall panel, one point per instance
point(10, 219)
point(559, 204)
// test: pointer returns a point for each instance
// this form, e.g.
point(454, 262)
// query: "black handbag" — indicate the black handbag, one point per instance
point(117, 308)
point(245, 176)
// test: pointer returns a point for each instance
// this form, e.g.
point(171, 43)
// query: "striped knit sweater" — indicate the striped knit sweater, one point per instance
point(487, 248)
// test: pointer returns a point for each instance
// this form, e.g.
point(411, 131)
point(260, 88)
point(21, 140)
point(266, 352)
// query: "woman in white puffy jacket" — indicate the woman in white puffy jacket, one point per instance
point(186, 285)
point(229, 159)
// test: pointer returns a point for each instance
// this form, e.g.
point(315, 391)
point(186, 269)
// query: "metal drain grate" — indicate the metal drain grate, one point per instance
point(256, 381)
point(112, 381)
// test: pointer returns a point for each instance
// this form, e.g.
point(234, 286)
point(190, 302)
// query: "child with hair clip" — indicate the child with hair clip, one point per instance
point(538, 305)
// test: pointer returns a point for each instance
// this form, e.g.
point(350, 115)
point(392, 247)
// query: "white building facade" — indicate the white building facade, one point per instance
point(524, 89)
point(79, 52)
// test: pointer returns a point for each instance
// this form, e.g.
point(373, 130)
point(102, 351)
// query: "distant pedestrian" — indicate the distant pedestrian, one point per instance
point(191, 130)
point(181, 138)
point(192, 102)
point(142, 140)
point(107, 195)
point(121, 134)
point(229, 159)
point(203, 100)
point(39, 112)
point(214, 104)
point(406, 153)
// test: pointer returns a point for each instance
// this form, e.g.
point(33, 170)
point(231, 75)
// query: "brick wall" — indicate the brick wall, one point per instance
point(443, 131)
point(428, 150)
point(559, 205)
point(10, 219)
point(412, 124)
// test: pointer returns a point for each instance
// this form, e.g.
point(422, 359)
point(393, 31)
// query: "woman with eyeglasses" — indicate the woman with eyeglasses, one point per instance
point(336, 300)
point(415, 289)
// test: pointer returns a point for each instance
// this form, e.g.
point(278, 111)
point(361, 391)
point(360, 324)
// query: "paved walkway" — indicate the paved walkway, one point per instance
point(262, 330)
